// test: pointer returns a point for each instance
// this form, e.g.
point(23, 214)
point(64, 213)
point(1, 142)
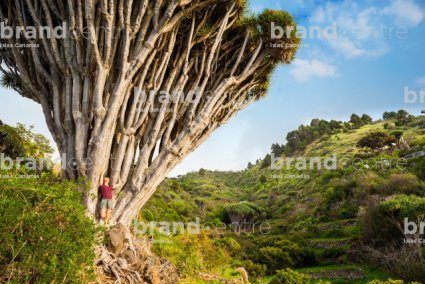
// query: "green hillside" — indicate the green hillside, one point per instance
point(319, 218)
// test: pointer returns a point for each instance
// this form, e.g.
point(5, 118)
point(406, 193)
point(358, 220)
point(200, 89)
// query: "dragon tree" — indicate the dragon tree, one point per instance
point(120, 80)
point(243, 214)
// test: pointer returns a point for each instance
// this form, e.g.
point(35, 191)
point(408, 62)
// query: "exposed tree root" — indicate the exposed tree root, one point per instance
point(110, 264)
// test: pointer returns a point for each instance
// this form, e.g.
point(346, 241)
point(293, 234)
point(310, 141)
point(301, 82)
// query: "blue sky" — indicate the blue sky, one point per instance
point(330, 79)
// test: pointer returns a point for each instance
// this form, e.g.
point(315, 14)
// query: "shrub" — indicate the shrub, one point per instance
point(228, 243)
point(173, 195)
point(51, 239)
point(352, 231)
point(347, 212)
point(273, 258)
point(333, 252)
point(255, 271)
point(278, 252)
point(336, 232)
point(284, 208)
point(405, 183)
point(326, 177)
point(147, 215)
point(289, 276)
point(312, 229)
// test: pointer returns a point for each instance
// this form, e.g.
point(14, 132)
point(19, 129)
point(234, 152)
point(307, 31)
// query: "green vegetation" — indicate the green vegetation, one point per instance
point(328, 206)
point(45, 234)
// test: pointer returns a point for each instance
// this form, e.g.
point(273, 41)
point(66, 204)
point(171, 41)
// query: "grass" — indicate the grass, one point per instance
point(320, 268)
point(372, 274)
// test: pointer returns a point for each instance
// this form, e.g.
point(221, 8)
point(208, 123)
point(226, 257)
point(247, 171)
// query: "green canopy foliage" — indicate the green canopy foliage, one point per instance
point(376, 139)
point(244, 208)
point(389, 115)
point(20, 141)
point(403, 206)
point(201, 201)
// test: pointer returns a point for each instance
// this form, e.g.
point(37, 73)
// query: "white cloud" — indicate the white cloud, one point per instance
point(305, 69)
point(406, 12)
point(346, 47)
point(421, 80)
point(357, 28)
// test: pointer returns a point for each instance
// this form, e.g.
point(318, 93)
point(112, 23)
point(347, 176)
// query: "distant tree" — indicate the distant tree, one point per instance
point(389, 115)
point(27, 142)
point(335, 125)
point(201, 172)
point(249, 165)
point(202, 203)
point(314, 122)
point(256, 162)
point(175, 186)
point(376, 139)
point(400, 207)
point(242, 215)
point(266, 162)
point(402, 117)
point(263, 178)
point(277, 149)
point(347, 125)
point(398, 134)
point(301, 146)
point(366, 119)
point(356, 120)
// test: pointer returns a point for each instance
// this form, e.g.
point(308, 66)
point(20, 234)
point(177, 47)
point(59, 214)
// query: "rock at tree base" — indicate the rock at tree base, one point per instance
point(155, 270)
point(116, 238)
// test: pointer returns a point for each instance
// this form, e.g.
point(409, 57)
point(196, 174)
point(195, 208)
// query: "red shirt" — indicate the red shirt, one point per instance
point(106, 191)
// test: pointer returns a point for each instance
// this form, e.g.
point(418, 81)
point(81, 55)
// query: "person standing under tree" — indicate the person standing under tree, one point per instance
point(106, 202)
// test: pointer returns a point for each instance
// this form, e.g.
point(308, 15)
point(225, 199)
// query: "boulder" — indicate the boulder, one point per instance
point(116, 238)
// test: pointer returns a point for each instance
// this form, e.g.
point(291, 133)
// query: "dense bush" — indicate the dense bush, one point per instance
point(45, 236)
point(278, 252)
point(289, 277)
point(147, 215)
point(227, 243)
point(333, 252)
point(255, 271)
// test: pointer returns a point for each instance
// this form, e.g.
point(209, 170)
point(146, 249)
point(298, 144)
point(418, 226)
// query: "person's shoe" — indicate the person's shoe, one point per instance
point(101, 222)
